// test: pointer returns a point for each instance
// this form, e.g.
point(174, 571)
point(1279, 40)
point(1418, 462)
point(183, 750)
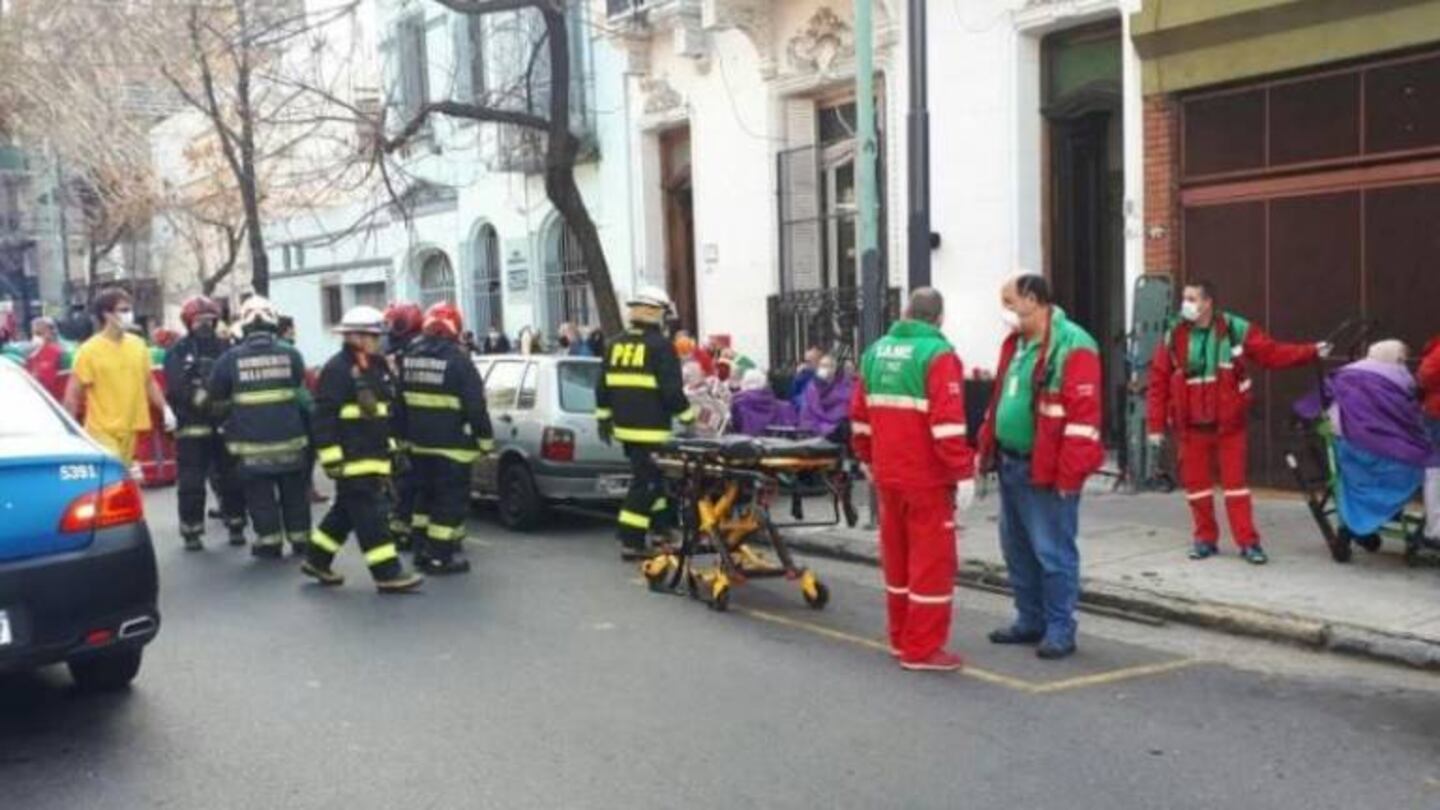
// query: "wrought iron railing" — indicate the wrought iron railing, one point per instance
point(828, 319)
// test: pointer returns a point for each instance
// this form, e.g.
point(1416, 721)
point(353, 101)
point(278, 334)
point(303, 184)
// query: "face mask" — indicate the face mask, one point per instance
point(1010, 318)
point(1190, 310)
point(126, 317)
point(824, 372)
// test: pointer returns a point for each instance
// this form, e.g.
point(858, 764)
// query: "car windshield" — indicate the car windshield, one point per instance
point(577, 386)
point(27, 411)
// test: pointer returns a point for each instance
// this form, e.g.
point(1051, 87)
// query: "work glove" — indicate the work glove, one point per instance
point(1324, 348)
point(169, 419)
point(606, 429)
point(965, 495)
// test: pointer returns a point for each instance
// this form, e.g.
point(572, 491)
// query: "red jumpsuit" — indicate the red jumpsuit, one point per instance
point(917, 450)
point(1207, 404)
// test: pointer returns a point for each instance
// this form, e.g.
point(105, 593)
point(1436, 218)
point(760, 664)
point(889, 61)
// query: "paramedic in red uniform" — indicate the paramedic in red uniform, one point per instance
point(908, 423)
point(1200, 387)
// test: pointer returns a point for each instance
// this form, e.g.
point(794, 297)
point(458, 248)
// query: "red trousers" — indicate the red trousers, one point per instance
point(917, 555)
point(1200, 452)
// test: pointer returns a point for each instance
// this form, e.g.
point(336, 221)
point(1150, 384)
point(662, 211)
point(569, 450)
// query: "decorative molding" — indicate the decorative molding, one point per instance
point(660, 96)
point(753, 18)
point(825, 41)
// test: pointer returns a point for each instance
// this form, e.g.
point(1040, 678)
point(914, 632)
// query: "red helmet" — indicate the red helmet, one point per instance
point(164, 338)
point(403, 318)
point(444, 320)
point(195, 307)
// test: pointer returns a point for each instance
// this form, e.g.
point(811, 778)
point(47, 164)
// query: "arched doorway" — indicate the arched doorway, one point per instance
point(567, 279)
point(437, 279)
point(488, 290)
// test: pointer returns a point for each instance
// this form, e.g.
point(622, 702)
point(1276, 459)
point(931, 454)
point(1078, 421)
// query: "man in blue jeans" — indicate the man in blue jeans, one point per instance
point(1042, 434)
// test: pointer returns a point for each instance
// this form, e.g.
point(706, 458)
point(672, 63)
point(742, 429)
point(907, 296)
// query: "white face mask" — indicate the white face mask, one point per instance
point(1190, 310)
point(1010, 318)
point(126, 318)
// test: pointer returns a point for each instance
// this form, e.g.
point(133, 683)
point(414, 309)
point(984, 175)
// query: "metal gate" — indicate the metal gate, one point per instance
point(827, 319)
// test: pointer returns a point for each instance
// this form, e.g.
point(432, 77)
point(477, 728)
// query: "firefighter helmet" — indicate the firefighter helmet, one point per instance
point(256, 312)
point(650, 296)
point(195, 307)
point(444, 320)
point(362, 320)
point(404, 319)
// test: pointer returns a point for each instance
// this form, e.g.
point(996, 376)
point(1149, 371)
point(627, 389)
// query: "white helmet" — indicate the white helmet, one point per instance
point(650, 296)
point(258, 311)
point(362, 320)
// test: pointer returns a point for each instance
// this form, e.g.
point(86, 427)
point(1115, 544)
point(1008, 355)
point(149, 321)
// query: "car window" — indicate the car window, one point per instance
point(27, 411)
point(577, 386)
point(502, 386)
point(526, 399)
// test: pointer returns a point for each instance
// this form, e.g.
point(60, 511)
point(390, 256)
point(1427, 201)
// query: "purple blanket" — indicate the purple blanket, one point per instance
point(754, 412)
point(825, 405)
point(1376, 409)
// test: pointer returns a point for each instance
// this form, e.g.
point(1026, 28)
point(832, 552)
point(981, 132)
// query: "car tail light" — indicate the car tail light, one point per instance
point(115, 505)
point(557, 444)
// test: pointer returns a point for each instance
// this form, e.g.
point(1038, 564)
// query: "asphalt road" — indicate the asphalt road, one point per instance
point(550, 678)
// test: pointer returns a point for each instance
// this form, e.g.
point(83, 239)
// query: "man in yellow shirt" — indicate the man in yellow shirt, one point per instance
point(111, 378)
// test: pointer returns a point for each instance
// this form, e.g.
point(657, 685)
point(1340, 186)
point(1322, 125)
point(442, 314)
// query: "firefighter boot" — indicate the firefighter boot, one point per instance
point(324, 575)
point(192, 541)
point(403, 582)
point(442, 567)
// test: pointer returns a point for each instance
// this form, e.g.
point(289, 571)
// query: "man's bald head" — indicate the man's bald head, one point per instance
point(926, 304)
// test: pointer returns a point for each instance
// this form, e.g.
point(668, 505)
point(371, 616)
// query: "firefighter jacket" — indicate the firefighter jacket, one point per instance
point(1200, 378)
point(1066, 383)
point(188, 366)
point(441, 405)
point(907, 415)
point(257, 385)
point(352, 415)
point(641, 391)
point(395, 349)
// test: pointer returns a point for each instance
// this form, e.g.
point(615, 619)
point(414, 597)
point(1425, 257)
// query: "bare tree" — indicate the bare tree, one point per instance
point(562, 147)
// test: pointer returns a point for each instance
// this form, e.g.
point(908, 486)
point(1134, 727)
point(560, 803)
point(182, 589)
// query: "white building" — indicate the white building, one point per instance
point(476, 227)
point(742, 160)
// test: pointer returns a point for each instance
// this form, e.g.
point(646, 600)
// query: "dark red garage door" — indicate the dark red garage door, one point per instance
point(1313, 199)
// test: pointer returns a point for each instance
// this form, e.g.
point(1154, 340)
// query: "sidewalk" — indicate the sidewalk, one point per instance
point(1133, 558)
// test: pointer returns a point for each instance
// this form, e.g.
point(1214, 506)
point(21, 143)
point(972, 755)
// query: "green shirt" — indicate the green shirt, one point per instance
point(1200, 353)
point(1015, 413)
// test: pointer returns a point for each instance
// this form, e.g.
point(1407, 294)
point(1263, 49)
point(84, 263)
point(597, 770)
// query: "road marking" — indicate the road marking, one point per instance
point(977, 673)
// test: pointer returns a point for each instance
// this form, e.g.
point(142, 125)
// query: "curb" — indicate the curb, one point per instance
point(1314, 634)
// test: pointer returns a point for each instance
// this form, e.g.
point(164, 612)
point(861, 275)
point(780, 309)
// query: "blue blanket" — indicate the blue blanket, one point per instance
point(1372, 488)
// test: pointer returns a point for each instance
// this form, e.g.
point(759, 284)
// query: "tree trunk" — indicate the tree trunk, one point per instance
point(259, 259)
point(561, 150)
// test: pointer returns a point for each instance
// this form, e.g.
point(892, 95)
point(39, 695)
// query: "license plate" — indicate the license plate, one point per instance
point(5, 638)
point(613, 484)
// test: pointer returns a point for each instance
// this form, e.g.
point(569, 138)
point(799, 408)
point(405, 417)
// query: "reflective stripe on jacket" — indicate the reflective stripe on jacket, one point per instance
point(441, 402)
point(352, 414)
point(265, 427)
point(641, 392)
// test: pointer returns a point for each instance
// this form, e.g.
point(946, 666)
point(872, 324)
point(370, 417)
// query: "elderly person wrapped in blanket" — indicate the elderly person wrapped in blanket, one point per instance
point(1382, 446)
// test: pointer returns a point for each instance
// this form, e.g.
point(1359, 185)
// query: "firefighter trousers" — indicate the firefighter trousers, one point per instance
point(279, 505)
point(918, 559)
point(441, 498)
point(361, 505)
point(402, 515)
point(1201, 451)
point(645, 508)
point(202, 460)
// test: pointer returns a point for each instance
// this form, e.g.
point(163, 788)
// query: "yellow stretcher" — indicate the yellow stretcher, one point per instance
point(724, 489)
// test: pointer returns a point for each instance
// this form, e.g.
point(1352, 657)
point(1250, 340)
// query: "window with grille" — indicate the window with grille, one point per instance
point(371, 294)
point(437, 279)
point(488, 287)
point(412, 90)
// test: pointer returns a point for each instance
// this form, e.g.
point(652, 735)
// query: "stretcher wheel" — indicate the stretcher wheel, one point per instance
point(815, 593)
point(720, 595)
point(657, 571)
point(1370, 542)
point(1339, 543)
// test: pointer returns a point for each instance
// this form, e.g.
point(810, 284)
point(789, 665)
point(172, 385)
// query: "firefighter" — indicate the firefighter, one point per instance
point(257, 383)
point(199, 446)
point(1200, 387)
point(445, 429)
point(638, 398)
point(354, 446)
point(403, 320)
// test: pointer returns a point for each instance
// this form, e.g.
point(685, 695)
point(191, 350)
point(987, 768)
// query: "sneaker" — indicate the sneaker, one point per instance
point(1013, 635)
point(404, 582)
point(324, 576)
point(1203, 551)
point(938, 661)
point(454, 565)
point(192, 543)
point(1254, 555)
point(269, 551)
point(1051, 651)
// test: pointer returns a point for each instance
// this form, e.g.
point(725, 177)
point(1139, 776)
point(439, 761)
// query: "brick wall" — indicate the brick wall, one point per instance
point(1162, 247)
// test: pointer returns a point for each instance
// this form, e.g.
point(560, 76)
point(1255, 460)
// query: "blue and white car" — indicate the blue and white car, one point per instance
point(78, 582)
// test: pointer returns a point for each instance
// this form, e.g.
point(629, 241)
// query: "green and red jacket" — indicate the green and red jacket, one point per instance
point(1067, 447)
point(907, 415)
point(1216, 391)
